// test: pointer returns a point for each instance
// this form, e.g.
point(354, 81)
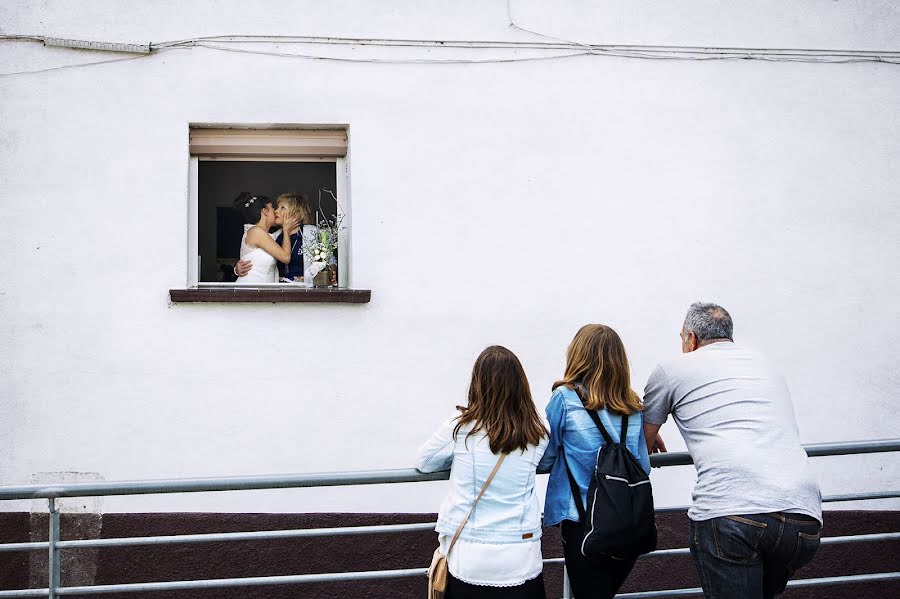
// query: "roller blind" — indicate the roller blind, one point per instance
point(261, 143)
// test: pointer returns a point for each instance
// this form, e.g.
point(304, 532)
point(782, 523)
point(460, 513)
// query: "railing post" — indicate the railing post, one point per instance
point(567, 586)
point(53, 561)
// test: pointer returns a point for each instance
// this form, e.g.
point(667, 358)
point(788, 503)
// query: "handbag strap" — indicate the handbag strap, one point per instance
point(472, 509)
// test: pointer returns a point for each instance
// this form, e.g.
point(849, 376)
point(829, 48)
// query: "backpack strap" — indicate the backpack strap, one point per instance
point(624, 429)
point(576, 490)
point(606, 436)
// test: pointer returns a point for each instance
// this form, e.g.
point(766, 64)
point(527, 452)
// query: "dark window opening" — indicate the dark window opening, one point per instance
point(220, 228)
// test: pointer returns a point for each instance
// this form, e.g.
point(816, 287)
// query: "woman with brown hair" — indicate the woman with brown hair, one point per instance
point(597, 378)
point(498, 550)
point(259, 252)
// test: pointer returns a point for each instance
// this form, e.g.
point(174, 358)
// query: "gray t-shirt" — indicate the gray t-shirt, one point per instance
point(735, 414)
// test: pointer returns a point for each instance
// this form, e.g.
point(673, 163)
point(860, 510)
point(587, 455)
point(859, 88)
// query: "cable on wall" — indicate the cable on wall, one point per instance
point(555, 49)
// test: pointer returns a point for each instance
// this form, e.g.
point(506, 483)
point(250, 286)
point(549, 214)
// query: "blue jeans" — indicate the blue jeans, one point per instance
point(751, 556)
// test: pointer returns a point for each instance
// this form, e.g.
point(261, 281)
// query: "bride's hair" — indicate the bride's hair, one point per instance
point(250, 206)
point(297, 207)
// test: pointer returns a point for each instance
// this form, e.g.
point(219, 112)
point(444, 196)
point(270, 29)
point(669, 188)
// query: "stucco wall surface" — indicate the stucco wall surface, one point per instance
point(491, 203)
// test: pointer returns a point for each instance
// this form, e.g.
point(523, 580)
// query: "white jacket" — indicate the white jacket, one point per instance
point(509, 511)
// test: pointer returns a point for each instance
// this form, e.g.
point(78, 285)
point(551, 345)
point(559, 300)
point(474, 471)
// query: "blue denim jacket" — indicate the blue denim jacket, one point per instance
point(509, 511)
point(572, 428)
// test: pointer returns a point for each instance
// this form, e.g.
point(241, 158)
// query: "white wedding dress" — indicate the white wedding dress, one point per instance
point(264, 269)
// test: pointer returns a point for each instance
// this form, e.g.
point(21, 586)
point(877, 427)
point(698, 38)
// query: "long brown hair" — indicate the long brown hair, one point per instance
point(500, 403)
point(596, 360)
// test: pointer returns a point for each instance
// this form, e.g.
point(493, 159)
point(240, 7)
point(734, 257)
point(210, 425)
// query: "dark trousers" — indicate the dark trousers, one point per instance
point(531, 589)
point(751, 556)
point(591, 577)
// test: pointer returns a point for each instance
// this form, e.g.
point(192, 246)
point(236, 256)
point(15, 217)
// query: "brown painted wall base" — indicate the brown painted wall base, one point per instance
point(377, 552)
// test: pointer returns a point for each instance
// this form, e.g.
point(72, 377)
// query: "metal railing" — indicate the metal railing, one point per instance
point(54, 545)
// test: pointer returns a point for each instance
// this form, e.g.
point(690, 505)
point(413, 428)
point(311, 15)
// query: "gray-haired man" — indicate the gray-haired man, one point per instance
point(757, 511)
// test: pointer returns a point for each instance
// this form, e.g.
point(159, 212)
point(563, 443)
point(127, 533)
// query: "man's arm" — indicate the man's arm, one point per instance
point(657, 407)
point(655, 443)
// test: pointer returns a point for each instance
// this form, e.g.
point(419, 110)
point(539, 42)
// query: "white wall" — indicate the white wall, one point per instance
point(499, 203)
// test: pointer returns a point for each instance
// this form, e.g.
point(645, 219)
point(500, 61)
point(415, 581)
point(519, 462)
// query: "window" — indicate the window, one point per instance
point(265, 163)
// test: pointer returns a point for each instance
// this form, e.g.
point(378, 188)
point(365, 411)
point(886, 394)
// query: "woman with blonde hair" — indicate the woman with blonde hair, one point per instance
point(294, 208)
point(493, 551)
point(597, 378)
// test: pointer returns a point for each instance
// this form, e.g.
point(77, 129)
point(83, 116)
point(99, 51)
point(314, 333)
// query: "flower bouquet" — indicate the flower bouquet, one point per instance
point(319, 247)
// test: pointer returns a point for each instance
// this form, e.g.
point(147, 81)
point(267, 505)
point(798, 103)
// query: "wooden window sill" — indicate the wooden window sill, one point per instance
point(270, 295)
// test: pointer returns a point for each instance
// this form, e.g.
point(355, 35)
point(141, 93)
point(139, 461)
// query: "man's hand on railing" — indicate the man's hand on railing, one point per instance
point(659, 446)
point(655, 443)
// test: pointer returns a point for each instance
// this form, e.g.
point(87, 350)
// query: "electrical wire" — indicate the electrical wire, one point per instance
point(560, 45)
point(560, 48)
point(512, 24)
point(76, 65)
point(392, 60)
point(639, 52)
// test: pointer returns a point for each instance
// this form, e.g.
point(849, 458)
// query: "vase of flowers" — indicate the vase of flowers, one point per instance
point(319, 249)
point(323, 279)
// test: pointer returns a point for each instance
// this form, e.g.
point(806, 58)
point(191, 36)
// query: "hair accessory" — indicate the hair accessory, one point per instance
point(247, 205)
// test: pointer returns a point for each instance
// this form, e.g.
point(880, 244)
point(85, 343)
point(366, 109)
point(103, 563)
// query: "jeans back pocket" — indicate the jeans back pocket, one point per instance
point(807, 545)
point(737, 538)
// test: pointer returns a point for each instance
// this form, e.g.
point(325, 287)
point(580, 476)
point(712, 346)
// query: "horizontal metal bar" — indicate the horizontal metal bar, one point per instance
point(39, 546)
point(240, 582)
point(24, 593)
point(862, 496)
point(249, 536)
point(319, 532)
point(658, 460)
point(799, 583)
point(825, 499)
point(852, 447)
point(652, 594)
point(334, 479)
point(375, 575)
point(869, 538)
point(235, 483)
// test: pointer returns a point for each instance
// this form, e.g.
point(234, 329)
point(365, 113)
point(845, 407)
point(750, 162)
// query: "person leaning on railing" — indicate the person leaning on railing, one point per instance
point(498, 552)
point(597, 370)
point(757, 510)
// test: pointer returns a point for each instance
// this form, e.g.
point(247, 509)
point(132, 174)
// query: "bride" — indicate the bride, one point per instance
point(257, 244)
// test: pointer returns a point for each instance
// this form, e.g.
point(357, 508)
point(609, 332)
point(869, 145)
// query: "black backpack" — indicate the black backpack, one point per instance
point(620, 520)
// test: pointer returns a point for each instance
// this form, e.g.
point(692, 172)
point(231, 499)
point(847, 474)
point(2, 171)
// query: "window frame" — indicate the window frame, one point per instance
point(273, 291)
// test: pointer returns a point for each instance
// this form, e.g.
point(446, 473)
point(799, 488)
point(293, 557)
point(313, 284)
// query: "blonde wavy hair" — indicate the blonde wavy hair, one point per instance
point(596, 361)
point(296, 206)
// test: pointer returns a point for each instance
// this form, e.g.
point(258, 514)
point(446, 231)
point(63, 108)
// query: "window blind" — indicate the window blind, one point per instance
point(272, 143)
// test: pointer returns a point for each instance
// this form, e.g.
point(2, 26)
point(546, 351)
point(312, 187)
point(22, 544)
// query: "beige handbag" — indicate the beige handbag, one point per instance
point(438, 571)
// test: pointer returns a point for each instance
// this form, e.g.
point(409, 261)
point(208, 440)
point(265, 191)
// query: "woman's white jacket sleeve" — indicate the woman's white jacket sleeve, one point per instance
point(437, 452)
